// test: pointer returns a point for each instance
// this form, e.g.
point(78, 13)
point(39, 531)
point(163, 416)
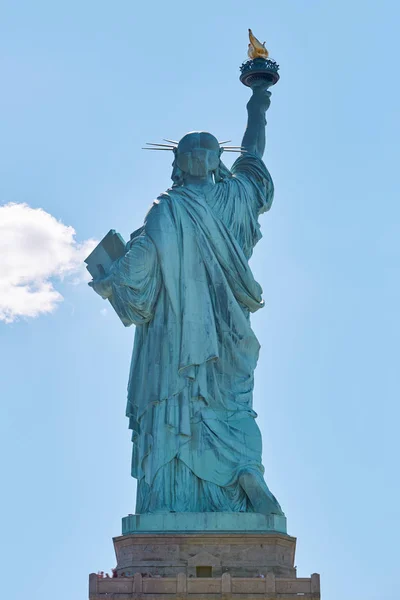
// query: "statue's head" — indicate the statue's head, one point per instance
point(198, 154)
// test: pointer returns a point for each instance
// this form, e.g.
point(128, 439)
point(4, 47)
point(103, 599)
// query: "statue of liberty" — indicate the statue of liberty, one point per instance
point(184, 281)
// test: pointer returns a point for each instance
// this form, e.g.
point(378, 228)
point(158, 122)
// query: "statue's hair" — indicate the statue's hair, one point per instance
point(177, 173)
point(221, 172)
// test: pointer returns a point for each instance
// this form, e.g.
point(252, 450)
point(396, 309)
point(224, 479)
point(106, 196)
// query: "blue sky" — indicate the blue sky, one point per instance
point(84, 85)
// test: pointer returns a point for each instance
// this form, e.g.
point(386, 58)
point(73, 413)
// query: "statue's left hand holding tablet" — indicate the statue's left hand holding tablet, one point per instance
point(100, 261)
point(102, 287)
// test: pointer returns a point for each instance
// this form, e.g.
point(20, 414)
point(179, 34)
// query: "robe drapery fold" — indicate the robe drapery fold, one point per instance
point(186, 284)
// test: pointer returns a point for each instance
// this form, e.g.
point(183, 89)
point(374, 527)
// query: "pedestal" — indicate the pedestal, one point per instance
point(211, 521)
point(218, 563)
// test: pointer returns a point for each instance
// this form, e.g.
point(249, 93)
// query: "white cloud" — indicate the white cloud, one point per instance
point(35, 249)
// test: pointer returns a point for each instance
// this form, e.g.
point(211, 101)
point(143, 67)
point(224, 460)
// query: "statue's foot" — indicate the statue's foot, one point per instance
point(258, 493)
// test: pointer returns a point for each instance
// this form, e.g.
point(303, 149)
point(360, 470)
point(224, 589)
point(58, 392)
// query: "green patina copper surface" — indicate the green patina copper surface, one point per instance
point(185, 282)
point(231, 522)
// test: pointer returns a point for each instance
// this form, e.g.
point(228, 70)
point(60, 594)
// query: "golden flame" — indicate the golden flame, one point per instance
point(256, 48)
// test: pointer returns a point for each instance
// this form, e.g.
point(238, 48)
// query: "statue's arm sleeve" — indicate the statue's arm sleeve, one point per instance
point(242, 198)
point(253, 177)
point(135, 281)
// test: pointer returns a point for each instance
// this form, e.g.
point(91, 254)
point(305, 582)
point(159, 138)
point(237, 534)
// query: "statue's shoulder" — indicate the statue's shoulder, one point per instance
point(160, 204)
point(159, 214)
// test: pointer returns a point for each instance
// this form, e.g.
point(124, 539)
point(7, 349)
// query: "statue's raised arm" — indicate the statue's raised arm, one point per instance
point(257, 106)
point(259, 73)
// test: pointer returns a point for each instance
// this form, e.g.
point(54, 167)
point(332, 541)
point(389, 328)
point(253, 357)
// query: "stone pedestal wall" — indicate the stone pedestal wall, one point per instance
point(225, 587)
point(242, 554)
point(243, 565)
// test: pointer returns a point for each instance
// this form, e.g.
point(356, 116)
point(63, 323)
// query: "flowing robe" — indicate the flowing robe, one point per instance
point(186, 284)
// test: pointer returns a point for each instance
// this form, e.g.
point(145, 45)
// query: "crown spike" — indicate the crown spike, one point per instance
point(159, 145)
